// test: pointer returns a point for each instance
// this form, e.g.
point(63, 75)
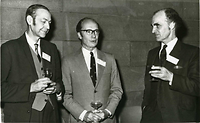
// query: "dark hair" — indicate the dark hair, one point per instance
point(173, 16)
point(79, 25)
point(32, 10)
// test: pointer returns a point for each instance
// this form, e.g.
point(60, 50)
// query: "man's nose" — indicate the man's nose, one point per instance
point(153, 30)
point(47, 25)
point(93, 35)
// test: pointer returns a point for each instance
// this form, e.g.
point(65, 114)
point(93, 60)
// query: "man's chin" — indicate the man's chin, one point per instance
point(42, 36)
point(159, 40)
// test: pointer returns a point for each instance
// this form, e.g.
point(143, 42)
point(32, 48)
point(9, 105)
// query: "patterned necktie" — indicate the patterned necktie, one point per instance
point(163, 55)
point(93, 69)
point(36, 49)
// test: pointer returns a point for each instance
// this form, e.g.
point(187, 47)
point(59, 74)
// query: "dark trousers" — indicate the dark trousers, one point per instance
point(151, 114)
point(47, 115)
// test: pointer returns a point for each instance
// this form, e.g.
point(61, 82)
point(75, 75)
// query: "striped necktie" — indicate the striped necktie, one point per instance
point(36, 49)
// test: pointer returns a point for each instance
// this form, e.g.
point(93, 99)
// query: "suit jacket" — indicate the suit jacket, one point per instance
point(79, 89)
point(18, 72)
point(177, 102)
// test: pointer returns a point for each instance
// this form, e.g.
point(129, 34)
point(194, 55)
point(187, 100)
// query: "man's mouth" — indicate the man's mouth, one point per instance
point(45, 31)
point(94, 41)
point(157, 35)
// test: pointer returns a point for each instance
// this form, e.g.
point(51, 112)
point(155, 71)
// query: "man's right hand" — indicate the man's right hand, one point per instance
point(40, 84)
point(91, 117)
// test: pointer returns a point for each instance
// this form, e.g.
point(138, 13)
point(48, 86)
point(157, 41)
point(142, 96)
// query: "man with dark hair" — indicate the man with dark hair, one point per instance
point(91, 78)
point(172, 73)
point(28, 94)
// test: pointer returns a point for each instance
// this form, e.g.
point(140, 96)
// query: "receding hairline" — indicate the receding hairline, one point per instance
point(88, 20)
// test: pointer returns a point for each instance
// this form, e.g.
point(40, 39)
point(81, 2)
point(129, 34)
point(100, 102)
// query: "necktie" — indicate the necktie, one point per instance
point(163, 55)
point(93, 69)
point(36, 49)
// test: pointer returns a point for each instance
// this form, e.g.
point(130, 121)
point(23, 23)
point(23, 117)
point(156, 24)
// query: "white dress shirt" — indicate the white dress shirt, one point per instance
point(87, 57)
point(169, 48)
point(32, 44)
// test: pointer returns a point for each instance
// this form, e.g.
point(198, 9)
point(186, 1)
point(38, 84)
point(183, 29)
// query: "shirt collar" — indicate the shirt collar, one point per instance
point(87, 52)
point(31, 43)
point(170, 45)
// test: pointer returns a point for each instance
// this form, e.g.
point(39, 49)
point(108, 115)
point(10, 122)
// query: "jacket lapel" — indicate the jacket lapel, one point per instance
point(45, 49)
point(176, 52)
point(101, 57)
point(26, 48)
point(154, 59)
point(81, 62)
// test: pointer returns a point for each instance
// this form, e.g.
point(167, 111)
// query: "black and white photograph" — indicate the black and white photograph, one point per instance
point(100, 61)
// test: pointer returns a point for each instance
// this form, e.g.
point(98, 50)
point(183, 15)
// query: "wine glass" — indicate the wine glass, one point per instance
point(96, 106)
point(152, 79)
point(47, 73)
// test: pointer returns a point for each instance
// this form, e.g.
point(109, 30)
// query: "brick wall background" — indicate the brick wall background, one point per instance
point(126, 35)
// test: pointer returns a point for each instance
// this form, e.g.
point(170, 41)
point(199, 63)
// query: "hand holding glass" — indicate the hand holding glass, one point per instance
point(96, 106)
point(47, 73)
point(152, 69)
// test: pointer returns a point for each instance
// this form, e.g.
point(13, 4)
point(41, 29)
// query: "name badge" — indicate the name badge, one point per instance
point(46, 56)
point(172, 59)
point(100, 62)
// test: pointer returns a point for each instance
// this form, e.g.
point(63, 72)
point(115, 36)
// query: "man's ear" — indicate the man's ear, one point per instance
point(79, 35)
point(29, 20)
point(172, 25)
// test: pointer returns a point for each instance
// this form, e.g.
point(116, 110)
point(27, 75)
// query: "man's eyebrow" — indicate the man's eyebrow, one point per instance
point(155, 24)
point(46, 19)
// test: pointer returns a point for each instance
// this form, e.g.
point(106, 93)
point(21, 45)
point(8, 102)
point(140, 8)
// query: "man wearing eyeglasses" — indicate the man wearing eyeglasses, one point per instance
point(91, 77)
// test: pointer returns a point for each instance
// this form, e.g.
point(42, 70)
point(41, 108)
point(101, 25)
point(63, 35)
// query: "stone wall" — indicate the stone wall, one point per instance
point(127, 35)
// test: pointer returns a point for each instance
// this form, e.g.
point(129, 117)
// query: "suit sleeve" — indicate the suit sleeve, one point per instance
point(69, 103)
point(58, 73)
point(116, 88)
point(11, 91)
point(188, 83)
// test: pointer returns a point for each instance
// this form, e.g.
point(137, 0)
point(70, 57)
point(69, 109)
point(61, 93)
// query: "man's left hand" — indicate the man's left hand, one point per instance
point(51, 89)
point(161, 73)
point(103, 114)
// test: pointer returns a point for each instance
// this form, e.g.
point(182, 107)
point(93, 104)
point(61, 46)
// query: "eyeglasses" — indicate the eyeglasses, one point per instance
point(90, 32)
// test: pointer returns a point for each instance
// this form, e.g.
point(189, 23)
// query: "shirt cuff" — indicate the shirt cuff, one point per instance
point(82, 115)
point(170, 82)
point(59, 96)
point(110, 114)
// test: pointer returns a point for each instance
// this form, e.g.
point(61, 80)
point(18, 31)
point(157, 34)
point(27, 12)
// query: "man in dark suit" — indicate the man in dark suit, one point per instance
point(172, 73)
point(90, 75)
point(28, 95)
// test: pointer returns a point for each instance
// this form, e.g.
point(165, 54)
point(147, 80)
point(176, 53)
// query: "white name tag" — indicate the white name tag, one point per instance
point(102, 63)
point(46, 56)
point(172, 59)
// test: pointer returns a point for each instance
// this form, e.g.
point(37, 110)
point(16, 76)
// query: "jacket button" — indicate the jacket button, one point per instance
point(28, 111)
point(95, 91)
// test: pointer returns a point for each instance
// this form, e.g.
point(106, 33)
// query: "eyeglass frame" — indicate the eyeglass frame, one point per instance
point(96, 31)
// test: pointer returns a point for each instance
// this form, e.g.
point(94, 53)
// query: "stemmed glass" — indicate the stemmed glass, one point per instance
point(96, 106)
point(152, 79)
point(47, 73)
